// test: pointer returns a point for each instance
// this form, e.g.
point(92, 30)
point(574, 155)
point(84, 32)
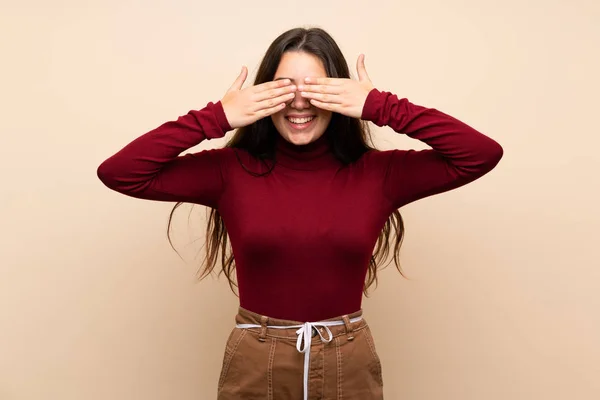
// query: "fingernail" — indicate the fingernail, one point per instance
point(306, 80)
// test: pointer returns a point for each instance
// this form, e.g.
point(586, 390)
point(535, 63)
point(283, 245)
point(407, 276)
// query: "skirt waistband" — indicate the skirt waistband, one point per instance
point(303, 332)
point(266, 325)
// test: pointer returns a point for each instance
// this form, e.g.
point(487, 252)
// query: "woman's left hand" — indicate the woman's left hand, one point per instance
point(340, 95)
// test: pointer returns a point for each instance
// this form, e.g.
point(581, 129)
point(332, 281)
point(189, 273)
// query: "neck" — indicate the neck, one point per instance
point(311, 156)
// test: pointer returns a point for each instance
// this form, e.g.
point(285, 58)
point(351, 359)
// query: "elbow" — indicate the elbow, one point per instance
point(484, 160)
point(494, 154)
point(489, 157)
point(117, 174)
point(108, 175)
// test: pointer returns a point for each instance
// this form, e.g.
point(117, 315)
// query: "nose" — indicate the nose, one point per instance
point(299, 102)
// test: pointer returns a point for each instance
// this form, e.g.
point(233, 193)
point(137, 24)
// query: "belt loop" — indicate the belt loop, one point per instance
point(263, 328)
point(349, 330)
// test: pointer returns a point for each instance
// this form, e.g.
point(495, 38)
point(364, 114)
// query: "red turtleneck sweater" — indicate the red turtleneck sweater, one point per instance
point(302, 235)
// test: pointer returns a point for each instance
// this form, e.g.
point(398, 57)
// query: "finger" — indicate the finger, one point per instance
point(361, 69)
point(265, 112)
point(324, 81)
point(323, 97)
point(272, 85)
point(239, 82)
point(274, 102)
point(325, 106)
point(321, 89)
point(272, 93)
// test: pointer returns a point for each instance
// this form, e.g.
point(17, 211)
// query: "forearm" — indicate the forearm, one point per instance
point(144, 157)
point(467, 150)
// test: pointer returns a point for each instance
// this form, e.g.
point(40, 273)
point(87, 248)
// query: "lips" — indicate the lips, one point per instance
point(301, 120)
point(300, 123)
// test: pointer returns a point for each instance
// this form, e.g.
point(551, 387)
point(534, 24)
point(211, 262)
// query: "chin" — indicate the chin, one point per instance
point(300, 139)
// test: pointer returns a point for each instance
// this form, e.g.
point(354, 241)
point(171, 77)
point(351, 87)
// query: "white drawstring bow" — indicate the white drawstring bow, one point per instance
point(304, 333)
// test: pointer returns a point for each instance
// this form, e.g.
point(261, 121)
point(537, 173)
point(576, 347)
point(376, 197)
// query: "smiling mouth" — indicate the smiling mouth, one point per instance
point(300, 121)
point(300, 124)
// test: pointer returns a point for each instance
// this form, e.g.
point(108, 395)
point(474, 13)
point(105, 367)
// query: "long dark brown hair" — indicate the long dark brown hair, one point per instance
point(347, 136)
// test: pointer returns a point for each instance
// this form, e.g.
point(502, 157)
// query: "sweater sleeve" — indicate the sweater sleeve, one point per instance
point(151, 168)
point(459, 154)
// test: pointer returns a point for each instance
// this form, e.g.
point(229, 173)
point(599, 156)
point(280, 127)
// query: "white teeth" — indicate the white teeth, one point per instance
point(301, 120)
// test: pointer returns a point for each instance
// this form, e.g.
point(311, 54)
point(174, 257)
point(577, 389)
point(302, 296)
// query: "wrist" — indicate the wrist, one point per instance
point(373, 104)
point(219, 112)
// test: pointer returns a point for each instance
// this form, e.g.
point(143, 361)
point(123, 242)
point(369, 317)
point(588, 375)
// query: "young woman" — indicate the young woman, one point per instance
point(304, 201)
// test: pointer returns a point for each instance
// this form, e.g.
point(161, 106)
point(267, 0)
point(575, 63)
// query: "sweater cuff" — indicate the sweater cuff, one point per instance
point(373, 105)
point(217, 109)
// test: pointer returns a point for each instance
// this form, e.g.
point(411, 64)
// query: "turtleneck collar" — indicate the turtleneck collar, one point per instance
point(312, 156)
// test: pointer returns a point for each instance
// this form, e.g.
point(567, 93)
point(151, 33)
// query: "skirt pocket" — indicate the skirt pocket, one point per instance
point(376, 366)
point(231, 347)
point(359, 369)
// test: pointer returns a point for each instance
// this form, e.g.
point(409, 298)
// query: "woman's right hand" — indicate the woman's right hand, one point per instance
point(245, 106)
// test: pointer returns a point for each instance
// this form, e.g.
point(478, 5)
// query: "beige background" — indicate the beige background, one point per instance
point(503, 301)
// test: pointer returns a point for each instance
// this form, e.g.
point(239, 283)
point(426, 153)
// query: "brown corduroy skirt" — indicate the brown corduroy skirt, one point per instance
point(263, 360)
